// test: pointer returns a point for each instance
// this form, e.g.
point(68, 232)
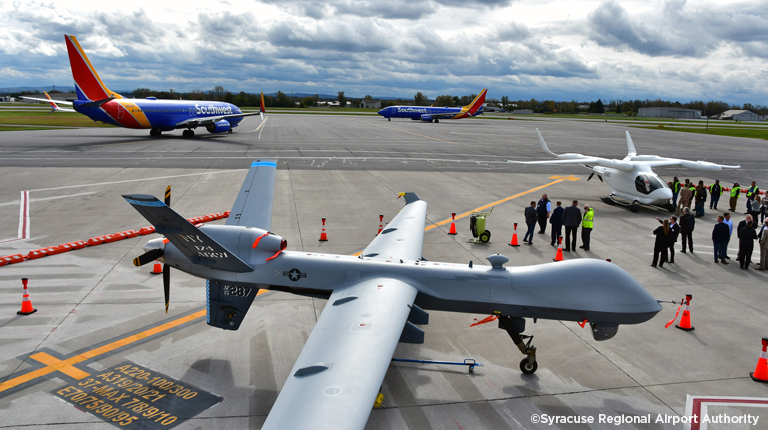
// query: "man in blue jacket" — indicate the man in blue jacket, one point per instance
point(720, 239)
point(530, 221)
point(557, 223)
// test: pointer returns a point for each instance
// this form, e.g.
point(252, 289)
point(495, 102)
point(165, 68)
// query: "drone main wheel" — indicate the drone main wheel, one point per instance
point(527, 368)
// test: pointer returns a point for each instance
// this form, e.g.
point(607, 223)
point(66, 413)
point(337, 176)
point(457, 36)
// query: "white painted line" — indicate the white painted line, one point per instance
point(46, 198)
point(142, 179)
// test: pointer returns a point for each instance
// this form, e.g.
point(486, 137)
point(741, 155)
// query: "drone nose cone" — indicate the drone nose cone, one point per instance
point(665, 193)
point(154, 244)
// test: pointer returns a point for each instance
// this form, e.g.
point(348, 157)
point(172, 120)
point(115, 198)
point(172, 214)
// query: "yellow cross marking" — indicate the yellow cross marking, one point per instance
point(63, 365)
point(59, 365)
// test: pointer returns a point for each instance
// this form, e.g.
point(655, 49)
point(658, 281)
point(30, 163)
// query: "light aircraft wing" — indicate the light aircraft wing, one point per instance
point(687, 164)
point(337, 376)
point(592, 161)
point(253, 206)
point(404, 236)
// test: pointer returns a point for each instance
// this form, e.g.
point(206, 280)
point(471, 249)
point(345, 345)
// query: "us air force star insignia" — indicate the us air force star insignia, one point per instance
point(294, 274)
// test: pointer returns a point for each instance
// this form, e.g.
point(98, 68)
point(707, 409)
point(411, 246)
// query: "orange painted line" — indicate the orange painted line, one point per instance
point(98, 351)
point(50, 360)
point(447, 220)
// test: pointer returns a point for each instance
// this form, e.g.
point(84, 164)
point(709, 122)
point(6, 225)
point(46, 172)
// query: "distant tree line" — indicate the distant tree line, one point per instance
point(281, 99)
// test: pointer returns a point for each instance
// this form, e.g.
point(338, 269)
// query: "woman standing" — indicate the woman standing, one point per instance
point(662, 244)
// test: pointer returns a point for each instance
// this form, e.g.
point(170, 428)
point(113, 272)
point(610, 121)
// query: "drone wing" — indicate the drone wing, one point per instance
point(704, 166)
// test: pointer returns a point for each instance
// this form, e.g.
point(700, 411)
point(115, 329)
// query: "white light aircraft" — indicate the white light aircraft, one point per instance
point(631, 178)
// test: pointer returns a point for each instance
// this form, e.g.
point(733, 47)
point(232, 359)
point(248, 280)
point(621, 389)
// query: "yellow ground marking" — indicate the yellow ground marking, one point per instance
point(409, 132)
point(557, 179)
point(62, 365)
point(59, 365)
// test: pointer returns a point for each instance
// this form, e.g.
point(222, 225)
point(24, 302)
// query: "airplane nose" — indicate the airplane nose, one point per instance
point(383, 112)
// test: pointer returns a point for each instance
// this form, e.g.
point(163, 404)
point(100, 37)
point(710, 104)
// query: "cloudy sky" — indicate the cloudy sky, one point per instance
point(546, 49)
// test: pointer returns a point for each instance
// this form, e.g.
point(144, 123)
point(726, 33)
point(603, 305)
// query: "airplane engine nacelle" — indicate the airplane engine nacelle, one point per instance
point(218, 127)
point(604, 331)
point(427, 118)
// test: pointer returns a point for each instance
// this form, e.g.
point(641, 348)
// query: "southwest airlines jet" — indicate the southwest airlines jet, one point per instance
point(97, 102)
point(430, 114)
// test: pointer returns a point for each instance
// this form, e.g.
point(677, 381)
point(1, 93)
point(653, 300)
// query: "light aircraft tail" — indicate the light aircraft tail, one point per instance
point(631, 151)
point(87, 82)
point(544, 145)
point(262, 111)
point(477, 103)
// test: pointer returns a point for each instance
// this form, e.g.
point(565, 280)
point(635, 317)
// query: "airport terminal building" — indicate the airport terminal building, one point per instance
point(669, 112)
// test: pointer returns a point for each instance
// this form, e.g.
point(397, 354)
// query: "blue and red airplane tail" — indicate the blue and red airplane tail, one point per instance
point(476, 106)
point(87, 82)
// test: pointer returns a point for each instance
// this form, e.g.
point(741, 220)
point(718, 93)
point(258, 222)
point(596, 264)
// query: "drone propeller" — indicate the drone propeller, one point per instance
point(148, 256)
point(154, 254)
point(590, 176)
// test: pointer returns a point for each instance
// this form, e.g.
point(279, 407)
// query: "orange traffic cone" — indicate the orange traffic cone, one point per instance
point(761, 371)
point(26, 304)
point(323, 236)
point(559, 255)
point(513, 242)
point(685, 321)
point(156, 269)
point(381, 224)
point(453, 224)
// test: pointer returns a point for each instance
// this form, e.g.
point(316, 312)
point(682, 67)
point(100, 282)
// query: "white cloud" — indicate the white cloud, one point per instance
point(554, 49)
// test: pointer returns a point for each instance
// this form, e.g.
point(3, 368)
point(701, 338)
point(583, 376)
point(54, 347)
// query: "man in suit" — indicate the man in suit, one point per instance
point(571, 221)
point(557, 223)
point(543, 209)
point(715, 191)
point(530, 221)
point(674, 231)
point(720, 239)
point(687, 224)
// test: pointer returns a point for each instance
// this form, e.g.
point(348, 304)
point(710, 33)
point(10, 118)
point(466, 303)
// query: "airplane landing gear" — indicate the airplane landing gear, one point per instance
point(436, 120)
point(188, 134)
point(155, 132)
point(229, 131)
point(389, 119)
point(513, 327)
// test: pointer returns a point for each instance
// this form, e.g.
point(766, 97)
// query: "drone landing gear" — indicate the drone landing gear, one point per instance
point(512, 325)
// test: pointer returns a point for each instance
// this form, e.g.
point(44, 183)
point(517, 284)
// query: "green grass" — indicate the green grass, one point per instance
point(20, 128)
point(719, 131)
point(62, 119)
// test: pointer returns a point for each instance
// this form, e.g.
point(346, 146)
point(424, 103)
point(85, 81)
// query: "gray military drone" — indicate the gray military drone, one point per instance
point(375, 300)
point(632, 178)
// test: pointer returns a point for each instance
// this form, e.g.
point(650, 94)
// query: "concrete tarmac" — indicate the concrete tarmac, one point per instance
point(96, 312)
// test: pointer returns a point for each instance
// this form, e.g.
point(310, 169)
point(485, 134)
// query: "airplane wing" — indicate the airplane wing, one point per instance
point(211, 119)
point(594, 161)
point(54, 104)
point(687, 164)
point(337, 376)
point(253, 206)
point(60, 102)
point(404, 236)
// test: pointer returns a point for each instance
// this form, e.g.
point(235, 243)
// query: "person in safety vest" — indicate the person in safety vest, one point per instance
point(752, 191)
point(715, 191)
point(675, 190)
point(735, 191)
point(586, 226)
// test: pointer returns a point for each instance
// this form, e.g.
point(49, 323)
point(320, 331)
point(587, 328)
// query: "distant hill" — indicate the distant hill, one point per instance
point(333, 96)
point(62, 88)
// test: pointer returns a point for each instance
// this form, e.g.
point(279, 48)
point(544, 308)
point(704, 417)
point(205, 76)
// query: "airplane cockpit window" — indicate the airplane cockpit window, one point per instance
point(647, 184)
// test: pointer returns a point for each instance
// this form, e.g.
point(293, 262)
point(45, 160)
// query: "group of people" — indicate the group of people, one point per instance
point(571, 218)
point(689, 194)
point(747, 231)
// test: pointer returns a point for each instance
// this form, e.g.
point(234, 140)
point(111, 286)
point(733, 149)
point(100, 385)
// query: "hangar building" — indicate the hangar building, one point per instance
point(739, 115)
point(669, 112)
